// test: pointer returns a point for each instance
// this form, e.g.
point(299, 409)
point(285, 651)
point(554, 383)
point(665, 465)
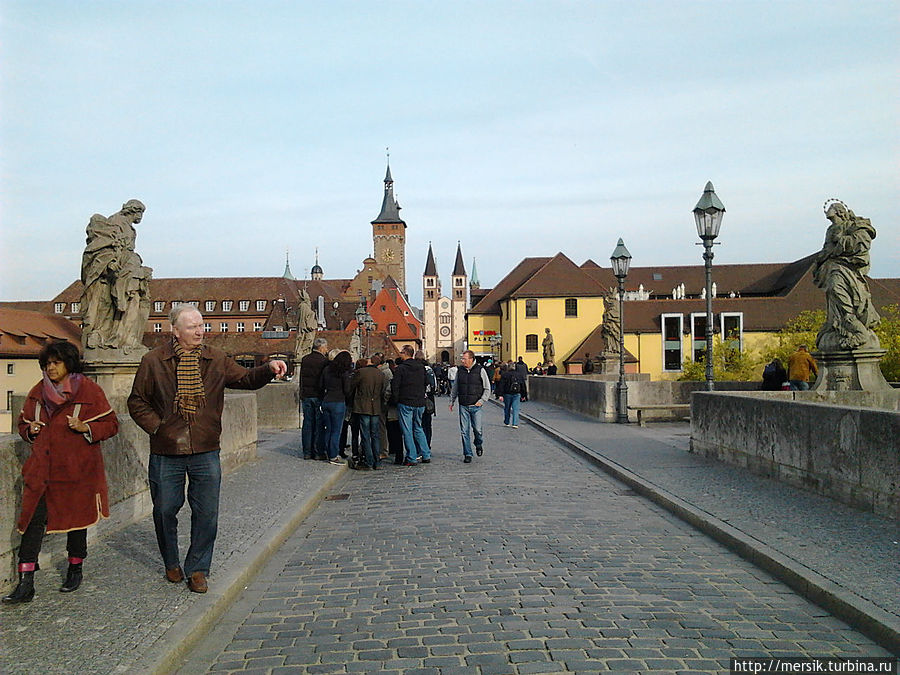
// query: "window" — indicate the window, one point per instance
point(260, 305)
point(226, 305)
point(59, 307)
point(698, 337)
point(457, 294)
point(240, 327)
point(430, 295)
point(429, 282)
point(531, 309)
point(159, 305)
point(9, 395)
point(571, 306)
point(210, 305)
point(732, 327)
point(445, 318)
point(458, 281)
point(207, 328)
point(223, 327)
point(10, 368)
point(531, 342)
point(672, 346)
point(392, 329)
point(157, 328)
point(194, 303)
point(246, 361)
point(76, 307)
point(244, 305)
point(257, 326)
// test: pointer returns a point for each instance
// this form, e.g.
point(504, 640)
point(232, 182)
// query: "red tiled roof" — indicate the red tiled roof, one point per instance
point(24, 333)
point(490, 303)
point(559, 277)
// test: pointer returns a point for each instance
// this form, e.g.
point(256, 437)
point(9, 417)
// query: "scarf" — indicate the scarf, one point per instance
point(189, 397)
point(56, 395)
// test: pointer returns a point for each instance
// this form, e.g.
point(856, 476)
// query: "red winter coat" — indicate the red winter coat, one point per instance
point(64, 467)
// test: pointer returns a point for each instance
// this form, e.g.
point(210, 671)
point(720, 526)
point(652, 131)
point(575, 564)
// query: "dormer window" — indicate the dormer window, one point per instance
point(59, 307)
point(260, 305)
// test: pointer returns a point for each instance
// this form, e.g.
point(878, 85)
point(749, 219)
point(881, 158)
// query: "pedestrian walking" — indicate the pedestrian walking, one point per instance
point(64, 418)
point(177, 398)
point(408, 392)
point(312, 433)
point(472, 388)
point(511, 390)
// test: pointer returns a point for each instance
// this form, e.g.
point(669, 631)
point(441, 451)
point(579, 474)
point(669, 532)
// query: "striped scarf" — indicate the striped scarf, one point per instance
point(189, 397)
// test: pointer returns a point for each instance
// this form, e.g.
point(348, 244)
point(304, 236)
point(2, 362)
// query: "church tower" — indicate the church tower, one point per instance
point(431, 296)
point(459, 301)
point(389, 235)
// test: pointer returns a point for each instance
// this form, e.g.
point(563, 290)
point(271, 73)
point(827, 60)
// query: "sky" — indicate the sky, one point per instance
point(516, 128)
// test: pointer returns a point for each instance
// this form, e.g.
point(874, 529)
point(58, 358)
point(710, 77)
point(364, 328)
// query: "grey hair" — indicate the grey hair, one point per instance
point(470, 353)
point(320, 342)
point(178, 310)
point(419, 355)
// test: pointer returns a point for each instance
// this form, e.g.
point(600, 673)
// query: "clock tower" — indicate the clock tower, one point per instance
point(389, 236)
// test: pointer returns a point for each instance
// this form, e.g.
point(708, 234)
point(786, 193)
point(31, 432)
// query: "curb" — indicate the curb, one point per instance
point(174, 645)
point(877, 624)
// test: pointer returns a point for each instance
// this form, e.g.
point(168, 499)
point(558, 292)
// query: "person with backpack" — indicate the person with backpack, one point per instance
point(510, 390)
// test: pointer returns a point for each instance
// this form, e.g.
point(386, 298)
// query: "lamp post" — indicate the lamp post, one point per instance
point(621, 261)
point(708, 216)
point(364, 322)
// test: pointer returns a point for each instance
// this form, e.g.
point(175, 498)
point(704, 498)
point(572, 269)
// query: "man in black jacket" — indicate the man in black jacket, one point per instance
point(408, 392)
point(311, 367)
point(472, 387)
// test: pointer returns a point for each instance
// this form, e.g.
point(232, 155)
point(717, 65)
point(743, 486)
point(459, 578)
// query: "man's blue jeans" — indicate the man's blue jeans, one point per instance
point(333, 414)
point(511, 409)
point(799, 385)
point(370, 438)
point(413, 433)
point(204, 475)
point(312, 427)
point(470, 418)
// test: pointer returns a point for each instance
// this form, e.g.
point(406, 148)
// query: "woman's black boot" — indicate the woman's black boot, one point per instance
point(73, 578)
point(24, 592)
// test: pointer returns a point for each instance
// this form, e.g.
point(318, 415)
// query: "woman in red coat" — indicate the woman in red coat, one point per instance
point(65, 417)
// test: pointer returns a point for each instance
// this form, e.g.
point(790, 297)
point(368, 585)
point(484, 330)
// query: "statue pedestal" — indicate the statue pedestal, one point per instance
point(855, 370)
point(115, 378)
point(609, 364)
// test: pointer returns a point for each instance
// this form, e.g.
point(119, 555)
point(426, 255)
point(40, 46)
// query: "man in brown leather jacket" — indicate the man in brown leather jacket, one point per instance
point(177, 398)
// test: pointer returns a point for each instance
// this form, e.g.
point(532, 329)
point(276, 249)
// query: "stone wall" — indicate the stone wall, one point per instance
point(278, 404)
point(846, 448)
point(595, 396)
point(125, 457)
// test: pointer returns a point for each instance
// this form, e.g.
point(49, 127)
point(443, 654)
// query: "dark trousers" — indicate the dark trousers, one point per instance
point(426, 426)
point(353, 426)
point(30, 549)
point(312, 433)
point(167, 475)
point(395, 440)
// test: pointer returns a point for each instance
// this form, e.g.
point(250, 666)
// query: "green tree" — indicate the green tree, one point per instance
point(888, 331)
point(729, 364)
point(801, 330)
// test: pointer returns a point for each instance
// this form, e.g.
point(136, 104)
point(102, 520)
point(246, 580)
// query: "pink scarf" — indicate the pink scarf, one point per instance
point(56, 395)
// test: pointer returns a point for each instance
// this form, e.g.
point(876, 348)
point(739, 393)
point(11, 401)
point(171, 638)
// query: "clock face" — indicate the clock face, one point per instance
point(389, 254)
point(445, 331)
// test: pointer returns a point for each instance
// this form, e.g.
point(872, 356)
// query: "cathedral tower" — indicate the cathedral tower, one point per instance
point(459, 301)
point(389, 236)
point(431, 296)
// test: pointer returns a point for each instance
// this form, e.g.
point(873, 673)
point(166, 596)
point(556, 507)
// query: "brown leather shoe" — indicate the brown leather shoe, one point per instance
point(174, 574)
point(197, 582)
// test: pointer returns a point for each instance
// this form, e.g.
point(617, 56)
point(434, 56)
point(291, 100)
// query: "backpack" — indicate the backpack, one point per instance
point(514, 387)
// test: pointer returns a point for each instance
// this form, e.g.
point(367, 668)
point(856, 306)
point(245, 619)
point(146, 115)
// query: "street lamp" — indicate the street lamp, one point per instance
point(708, 215)
point(364, 322)
point(621, 261)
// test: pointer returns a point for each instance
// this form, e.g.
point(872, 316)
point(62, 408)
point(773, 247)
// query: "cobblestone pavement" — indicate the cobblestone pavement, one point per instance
point(528, 560)
point(124, 611)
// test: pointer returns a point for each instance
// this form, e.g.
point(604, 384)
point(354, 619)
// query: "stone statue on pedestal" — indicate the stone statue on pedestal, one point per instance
point(848, 350)
point(549, 349)
point(611, 329)
point(840, 270)
point(115, 300)
point(306, 326)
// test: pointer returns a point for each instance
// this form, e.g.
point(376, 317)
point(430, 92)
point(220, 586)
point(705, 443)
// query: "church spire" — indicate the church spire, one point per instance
point(430, 267)
point(473, 281)
point(459, 269)
point(316, 272)
point(287, 265)
point(390, 209)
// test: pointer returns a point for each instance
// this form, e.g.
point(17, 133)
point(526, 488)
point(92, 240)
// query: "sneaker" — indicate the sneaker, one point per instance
point(479, 450)
point(337, 461)
point(408, 463)
point(505, 424)
point(515, 426)
point(426, 461)
point(467, 459)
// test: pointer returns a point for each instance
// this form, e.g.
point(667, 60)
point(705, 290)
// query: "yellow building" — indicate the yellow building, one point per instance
point(511, 319)
point(664, 320)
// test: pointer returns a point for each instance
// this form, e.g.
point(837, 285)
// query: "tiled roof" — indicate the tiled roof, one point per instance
point(44, 306)
point(23, 333)
point(430, 267)
point(459, 267)
point(595, 344)
point(490, 303)
point(559, 277)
